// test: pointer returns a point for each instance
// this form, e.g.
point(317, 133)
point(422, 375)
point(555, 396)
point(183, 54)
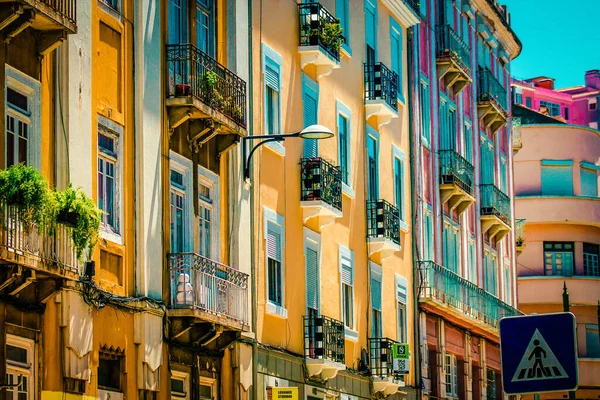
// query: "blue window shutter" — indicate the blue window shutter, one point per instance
point(310, 105)
point(557, 180)
point(589, 182)
point(312, 279)
point(396, 52)
point(370, 25)
point(376, 294)
point(341, 11)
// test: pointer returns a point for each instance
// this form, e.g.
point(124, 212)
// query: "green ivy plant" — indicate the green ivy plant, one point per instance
point(74, 208)
point(25, 188)
point(332, 34)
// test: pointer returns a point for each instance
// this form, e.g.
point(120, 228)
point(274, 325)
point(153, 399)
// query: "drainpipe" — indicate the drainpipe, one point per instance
point(413, 80)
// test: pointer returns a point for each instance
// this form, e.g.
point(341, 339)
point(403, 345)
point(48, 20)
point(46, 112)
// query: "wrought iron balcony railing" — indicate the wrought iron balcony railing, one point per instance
point(383, 220)
point(194, 73)
point(381, 83)
point(40, 249)
point(494, 202)
point(456, 169)
point(321, 180)
point(200, 283)
point(439, 283)
point(380, 355)
point(414, 5)
point(323, 338)
point(314, 19)
point(449, 43)
point(489, 89)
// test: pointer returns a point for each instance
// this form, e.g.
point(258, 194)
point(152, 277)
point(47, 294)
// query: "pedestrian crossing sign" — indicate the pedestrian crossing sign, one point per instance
point(538, 353)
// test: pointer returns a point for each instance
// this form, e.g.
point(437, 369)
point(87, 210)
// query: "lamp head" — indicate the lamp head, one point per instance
point(316, 132)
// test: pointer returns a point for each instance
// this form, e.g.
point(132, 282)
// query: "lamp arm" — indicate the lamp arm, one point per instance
point(278, 138)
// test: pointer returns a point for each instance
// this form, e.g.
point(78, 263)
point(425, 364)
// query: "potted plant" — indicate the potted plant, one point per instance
point(26, 189)
point(75, 209)
point(331, 35)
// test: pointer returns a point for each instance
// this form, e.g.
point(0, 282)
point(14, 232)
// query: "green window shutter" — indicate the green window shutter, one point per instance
point(310, 105)
point(557, 180)
point(472, 262)
point(589, 182)
point(312, 279)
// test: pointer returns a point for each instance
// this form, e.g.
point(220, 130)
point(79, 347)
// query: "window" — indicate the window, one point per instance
point(507, 283)
point(371, 30)
point(503, 173)
point(447, 126)
point(208, 389)
point(468, 143)
point(425, 112)
point(178, 22)
point(272, 77)
point(109, 371)
point(347, 289)
point(208, 214)
point(114, 4)
point(491, 272)
point(399, 184)
point(557, 177)
point(22, 119)
point(396, 53)
point(275, 242)
point(490, 377)
point(558, 258)
point(342, 11)
point(373, 164)
point(376, 307)
point(451, 248)
point(518, 98)
point(592, 104)
point(472, 261)
point(204, 27)
point(310, 102)
point(566, 113)
point(428, 235)
point(181, 203)
point(553, 108)
point(589, 181)
point(592, 344)
point(19, 365)
point(487, 161)
point(528, 102)
point(451, 370)
point(109, 197)
point(590, 259)
point(402, 303)
point(177, 196)
point(180, 385)
point(312, 257)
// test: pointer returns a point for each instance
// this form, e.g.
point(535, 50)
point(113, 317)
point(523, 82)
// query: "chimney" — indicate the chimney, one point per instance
point(592, 79)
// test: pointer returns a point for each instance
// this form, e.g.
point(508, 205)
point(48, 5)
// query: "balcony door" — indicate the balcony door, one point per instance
point(372, 164)
point(205, 32)
point(178, 22)
point(310, 101)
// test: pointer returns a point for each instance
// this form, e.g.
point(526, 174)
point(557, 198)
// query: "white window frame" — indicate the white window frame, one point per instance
point(376, 274)
point(27, 86)
point(184, 166)
point(185, 377)
point(275, 58)
point(213, 385)
point(451, 368)
point(344, 111)
point(312, 241)
point(402, 282)
point(110, 128)
point(346, 257)
point(276, 221)
point(19, 369)
point(428, 244)
point(211, 180)
point(397, 153)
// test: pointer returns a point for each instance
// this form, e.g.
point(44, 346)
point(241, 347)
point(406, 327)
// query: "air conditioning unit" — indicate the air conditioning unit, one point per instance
point(109, 395)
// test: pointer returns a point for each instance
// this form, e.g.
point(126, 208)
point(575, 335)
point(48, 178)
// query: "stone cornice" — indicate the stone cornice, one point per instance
point(501, 29)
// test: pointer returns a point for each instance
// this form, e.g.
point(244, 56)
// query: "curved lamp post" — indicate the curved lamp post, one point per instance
point(316, 132)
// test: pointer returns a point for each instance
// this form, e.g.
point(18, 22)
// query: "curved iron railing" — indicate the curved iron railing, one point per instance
point(444, 285)
point(383, 220)
point(201, 283)
point(324, 338)
point(321, 180)
point(449, 43)
point(489, 89)
point(194, 73)
point(494, 202)
point(313, 19)
point(456, 169)
point(381, 83)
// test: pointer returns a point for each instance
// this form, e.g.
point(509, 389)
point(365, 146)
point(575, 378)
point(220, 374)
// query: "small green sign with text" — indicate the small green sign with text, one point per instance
point(400, 351)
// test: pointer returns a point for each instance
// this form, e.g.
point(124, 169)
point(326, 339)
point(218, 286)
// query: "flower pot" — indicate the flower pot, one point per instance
point(68, 218)
point(183, 90)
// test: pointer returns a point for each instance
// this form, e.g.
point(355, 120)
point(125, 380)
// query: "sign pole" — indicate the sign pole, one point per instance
point(565, 296)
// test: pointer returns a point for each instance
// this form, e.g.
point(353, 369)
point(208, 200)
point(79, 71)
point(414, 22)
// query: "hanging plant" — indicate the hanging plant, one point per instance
point(331, 34)
point(26, 189)
point(75, 209)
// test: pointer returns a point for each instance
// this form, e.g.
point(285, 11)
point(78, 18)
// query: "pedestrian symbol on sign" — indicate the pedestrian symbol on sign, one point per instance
point(538, 362)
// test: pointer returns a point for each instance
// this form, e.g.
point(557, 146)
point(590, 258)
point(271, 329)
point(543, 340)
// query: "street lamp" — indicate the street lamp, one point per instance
point(315, 132)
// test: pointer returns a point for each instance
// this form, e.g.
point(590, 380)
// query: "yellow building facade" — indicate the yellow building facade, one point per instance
point(333, 249)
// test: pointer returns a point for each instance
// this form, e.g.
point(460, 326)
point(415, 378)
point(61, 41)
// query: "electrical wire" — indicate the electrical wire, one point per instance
point(96, 297)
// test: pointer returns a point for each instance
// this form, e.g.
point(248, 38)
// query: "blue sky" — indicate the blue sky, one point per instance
point(561, 39)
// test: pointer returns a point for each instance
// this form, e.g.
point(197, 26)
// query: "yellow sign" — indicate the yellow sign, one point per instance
point(289, 393)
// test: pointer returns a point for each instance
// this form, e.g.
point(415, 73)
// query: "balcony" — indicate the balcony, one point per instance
point(381, 93)
point(53, 19)
point(323, 346)
point(492, 103)
point(517, 136)
point(452, 59)
point(319, 43)
point(321, 190)
point(383, 228)
point(495, 212)
point(208, 95)
point(205, 290)
point(443, 291)
point(456, 181)
point(43, 253)
point(386, 379)
point(520, 235)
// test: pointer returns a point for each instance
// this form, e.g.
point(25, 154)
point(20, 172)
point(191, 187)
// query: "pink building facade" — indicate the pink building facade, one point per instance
point(556, 188)
point(576, 105)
